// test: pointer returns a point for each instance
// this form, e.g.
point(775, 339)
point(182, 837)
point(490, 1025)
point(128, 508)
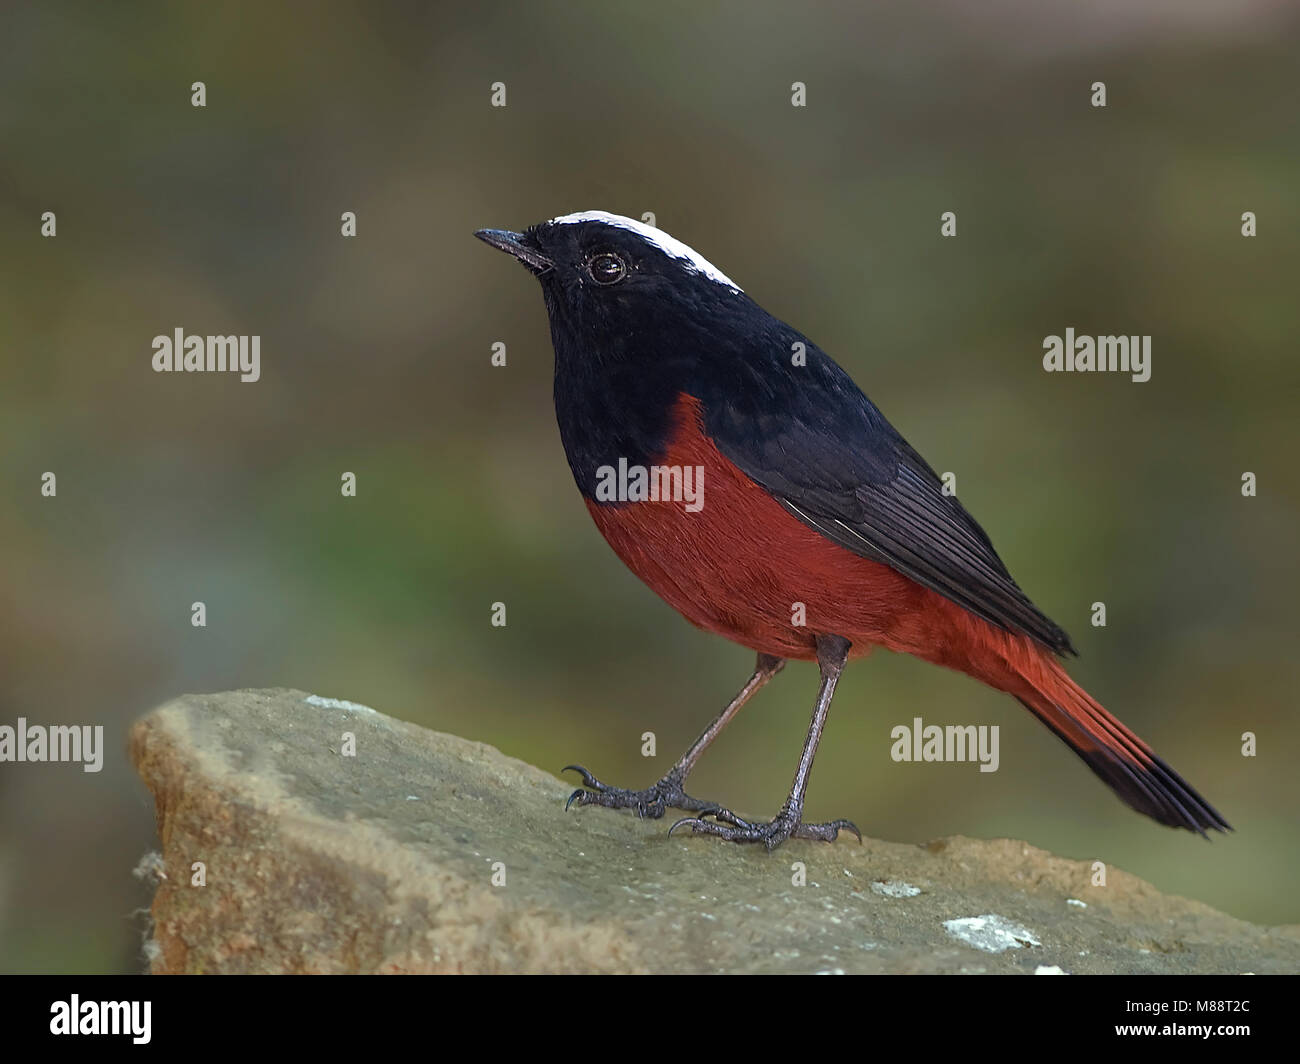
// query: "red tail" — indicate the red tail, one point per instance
point(1118, 756)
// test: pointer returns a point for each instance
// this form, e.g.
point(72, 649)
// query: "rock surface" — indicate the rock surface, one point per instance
point(428, 853)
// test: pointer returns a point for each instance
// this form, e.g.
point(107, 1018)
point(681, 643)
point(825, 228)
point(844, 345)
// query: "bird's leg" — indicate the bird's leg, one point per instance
point(832, 651)
point(668, 793)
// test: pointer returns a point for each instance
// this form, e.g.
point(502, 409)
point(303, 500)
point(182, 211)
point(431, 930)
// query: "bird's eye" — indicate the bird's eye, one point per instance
point(607, 268)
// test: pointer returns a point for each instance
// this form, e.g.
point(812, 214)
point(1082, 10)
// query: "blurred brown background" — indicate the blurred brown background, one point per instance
point(375, 359)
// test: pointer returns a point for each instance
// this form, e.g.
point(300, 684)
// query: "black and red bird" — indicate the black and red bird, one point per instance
point(808, 496)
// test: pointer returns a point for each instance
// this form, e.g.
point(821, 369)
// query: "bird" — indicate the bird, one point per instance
point(812, 532)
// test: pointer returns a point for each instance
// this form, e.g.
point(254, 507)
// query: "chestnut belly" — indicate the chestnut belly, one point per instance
point(742, 566)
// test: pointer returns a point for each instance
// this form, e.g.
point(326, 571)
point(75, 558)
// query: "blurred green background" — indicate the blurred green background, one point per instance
point(375, 359)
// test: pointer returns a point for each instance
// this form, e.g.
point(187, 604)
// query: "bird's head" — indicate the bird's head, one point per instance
point(599, 269)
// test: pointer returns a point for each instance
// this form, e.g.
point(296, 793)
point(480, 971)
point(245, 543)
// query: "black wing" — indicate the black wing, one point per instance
point(811, 438)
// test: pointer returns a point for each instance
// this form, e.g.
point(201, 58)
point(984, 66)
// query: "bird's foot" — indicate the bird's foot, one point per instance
point(786, 825)
point(651, 802)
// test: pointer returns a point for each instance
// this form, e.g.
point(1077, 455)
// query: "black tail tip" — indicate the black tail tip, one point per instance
point(1157, 791)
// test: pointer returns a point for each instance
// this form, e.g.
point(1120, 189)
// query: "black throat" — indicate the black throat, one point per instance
point(615, 396)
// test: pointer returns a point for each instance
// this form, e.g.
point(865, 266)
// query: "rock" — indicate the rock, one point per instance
point(429, 853)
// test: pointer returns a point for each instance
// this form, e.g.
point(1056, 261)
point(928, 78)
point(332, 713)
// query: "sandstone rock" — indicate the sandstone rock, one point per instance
point(428, 853)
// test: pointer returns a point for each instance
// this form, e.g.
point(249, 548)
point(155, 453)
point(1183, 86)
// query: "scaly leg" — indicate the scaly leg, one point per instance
point(667, 792)
point(832, 651)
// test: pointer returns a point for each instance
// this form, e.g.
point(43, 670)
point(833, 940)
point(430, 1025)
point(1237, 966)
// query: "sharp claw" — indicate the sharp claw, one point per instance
point(588, 780)
point(575, 795)
point(692, 820)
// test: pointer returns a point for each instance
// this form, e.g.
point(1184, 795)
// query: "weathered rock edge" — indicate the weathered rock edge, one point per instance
point(429, 853)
